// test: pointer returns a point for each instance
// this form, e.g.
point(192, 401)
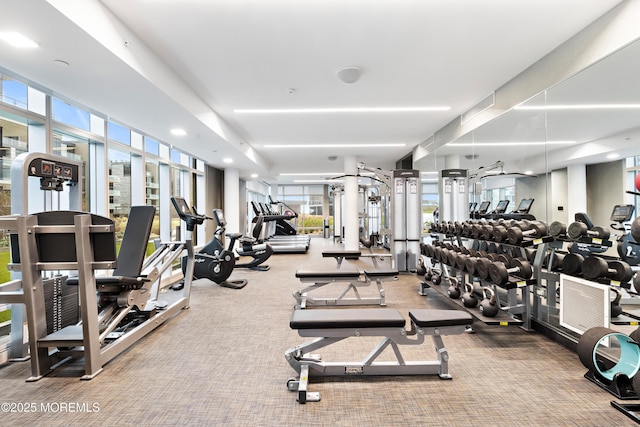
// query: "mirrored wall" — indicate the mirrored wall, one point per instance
point(571, 148)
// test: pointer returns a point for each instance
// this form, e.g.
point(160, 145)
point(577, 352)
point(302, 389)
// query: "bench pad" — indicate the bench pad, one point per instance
point(328, 274)
point(381, 272)
point(427, 318)
point(340, 253)
point(348, 318)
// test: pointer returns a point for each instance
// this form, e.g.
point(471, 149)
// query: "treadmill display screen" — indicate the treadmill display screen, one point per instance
point(622, 213)
point(502, 205)
point(525, 205)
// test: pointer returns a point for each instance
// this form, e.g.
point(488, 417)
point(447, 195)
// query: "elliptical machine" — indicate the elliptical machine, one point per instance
point(249, 245)
point(215, 265)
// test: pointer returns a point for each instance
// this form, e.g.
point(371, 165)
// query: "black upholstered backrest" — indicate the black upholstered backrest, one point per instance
point(133, 248)
point(61, 247)
point(257, 227)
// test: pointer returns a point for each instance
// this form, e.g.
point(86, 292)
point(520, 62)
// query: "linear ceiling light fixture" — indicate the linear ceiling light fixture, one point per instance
point(508, 144)
point(317, 181)
point(339, 110)
point(16, 39)
point(310, 174)
point(578, 107)
point(332, 145)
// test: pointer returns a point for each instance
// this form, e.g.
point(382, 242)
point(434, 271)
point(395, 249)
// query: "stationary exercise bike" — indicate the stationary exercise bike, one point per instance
point(249, 245)
point(210, 262)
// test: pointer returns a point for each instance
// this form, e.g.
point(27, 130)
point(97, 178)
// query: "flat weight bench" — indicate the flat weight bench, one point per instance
point(341, 254)
point(331, 326)
point(320, 278)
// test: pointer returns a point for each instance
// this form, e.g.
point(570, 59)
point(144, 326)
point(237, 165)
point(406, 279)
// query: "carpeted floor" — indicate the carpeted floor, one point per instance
point(221, 363)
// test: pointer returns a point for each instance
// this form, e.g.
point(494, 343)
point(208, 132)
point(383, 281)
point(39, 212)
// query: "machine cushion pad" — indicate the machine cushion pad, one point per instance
point(328, 274)
point(438, 318)
point(347, 318)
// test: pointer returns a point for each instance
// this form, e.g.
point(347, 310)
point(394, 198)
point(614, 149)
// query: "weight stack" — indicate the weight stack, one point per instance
point(61, 303)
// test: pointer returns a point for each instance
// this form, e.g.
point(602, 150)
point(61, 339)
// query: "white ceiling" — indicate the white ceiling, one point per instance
point(158, 64)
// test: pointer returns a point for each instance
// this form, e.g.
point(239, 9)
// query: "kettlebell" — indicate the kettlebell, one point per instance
point(421, 269)
point(488, 305)
point(454, 289)
point(436, 278)
point(469, 299)
point(616, 308)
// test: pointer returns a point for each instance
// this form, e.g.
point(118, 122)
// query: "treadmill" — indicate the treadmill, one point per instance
point(522, 211)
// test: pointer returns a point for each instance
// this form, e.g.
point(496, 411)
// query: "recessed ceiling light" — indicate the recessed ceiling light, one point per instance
point(528, 172)
point(332, 145)
point(227, 160)
point(339, 110)
point(254, 175)
point(349, 74)
point(613, 156)
point(16, 39)
point(178, 132)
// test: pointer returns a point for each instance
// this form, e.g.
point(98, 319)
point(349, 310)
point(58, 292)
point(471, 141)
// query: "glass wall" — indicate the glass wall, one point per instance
point(305, 201)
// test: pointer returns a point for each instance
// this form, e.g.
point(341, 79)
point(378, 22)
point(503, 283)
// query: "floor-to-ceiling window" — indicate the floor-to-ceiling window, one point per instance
point(305, 201)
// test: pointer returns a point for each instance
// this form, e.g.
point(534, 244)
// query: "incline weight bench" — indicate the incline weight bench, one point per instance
point(351, 276)
point(330, 326)
point(341, 254)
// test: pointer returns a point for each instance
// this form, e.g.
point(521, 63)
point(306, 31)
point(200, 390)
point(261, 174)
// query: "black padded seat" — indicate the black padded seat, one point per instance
point(340, 253)
point(382, 272)
point(328, 274)
point(348, 318)
point(132, 253)
point(427, 318)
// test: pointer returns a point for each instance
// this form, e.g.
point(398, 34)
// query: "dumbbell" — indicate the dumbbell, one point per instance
point(554, 263)
point(557, 229)
point(572, 264)
point(578, 229)
point(500, 233)
point(536, 229)
point(461, 259)
point(482, 267)
point(457, 228)
point(476, 230)
point(489, 304)
point(499, 272)
point(595, 267)
point(470, 262)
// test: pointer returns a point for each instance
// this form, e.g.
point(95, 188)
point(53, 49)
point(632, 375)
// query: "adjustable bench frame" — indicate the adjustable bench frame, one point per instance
point(331, 326)
point(352, 277)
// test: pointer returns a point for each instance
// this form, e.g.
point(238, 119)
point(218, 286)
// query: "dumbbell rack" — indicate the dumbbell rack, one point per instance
point(515, 287)
point(549, 283)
